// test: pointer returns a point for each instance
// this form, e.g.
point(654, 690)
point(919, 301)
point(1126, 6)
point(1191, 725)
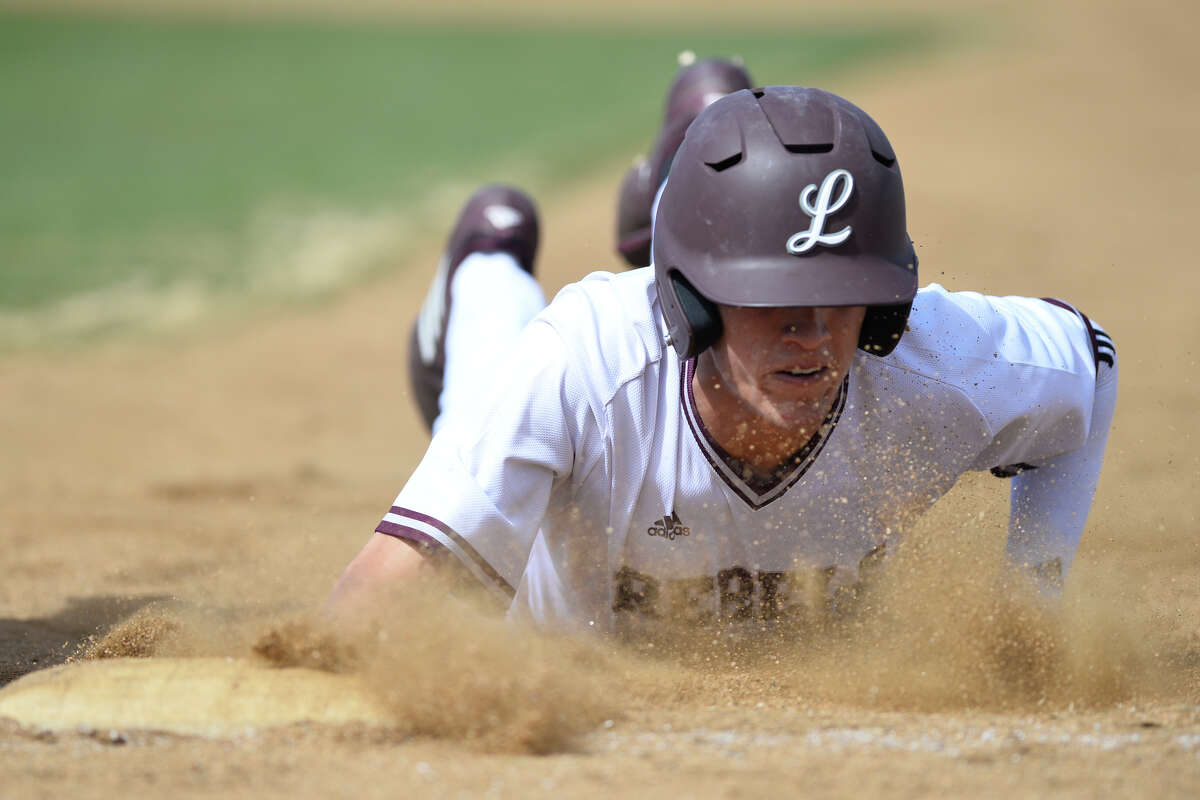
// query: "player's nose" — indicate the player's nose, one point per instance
point(807, 327)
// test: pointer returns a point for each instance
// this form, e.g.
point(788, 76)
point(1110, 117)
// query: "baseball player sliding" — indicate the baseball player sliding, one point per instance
point(736, 432)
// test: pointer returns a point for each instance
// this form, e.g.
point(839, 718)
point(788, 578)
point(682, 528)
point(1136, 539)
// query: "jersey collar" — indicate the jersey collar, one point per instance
point(756, 490)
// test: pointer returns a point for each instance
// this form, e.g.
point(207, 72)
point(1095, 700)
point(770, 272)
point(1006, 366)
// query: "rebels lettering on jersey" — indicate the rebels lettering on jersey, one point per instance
point(587, 486)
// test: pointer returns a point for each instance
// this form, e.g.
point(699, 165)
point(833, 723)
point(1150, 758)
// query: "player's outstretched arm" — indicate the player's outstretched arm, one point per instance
point(384, 563)
point(1050, 504)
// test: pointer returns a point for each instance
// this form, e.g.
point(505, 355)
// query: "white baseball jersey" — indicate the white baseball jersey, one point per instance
point(587, 490)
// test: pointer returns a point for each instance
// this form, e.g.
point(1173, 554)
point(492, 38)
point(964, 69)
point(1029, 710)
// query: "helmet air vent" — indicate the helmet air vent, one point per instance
point(810, 148)
point(725, 163)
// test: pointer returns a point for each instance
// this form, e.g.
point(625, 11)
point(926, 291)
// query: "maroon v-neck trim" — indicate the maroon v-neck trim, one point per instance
point(761, 491)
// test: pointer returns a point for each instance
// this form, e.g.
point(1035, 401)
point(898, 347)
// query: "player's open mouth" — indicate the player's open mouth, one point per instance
point(802, 375)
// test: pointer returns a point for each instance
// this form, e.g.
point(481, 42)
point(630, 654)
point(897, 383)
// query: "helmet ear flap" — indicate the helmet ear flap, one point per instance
point(884, 325)
point(702, 316)
point(882, 328)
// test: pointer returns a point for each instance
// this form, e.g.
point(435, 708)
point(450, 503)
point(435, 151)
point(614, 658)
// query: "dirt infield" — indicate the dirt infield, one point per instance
point(202, 494)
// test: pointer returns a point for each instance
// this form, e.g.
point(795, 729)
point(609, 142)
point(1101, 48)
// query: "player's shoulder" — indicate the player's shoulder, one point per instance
point(1004, 356)
point(966, 326)
point(610, 322)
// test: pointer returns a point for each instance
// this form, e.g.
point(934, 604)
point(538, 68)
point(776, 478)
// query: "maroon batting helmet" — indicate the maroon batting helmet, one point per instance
point(783, 196)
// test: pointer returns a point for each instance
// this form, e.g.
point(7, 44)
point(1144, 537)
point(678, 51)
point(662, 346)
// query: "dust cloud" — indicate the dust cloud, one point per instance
point(942, 627)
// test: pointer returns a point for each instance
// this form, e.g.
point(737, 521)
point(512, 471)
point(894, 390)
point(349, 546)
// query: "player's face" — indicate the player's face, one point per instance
point(785, 365)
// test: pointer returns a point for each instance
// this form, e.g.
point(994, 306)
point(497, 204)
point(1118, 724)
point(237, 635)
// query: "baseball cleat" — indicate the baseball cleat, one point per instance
point(496, 219)
point(697, 84)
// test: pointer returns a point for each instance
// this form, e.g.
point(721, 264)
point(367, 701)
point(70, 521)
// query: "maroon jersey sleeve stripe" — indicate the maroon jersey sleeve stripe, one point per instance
point(409, 535)
point(407, 532)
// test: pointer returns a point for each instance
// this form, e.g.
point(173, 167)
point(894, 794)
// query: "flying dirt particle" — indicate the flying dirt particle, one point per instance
point(140, 636)
point(297, 644)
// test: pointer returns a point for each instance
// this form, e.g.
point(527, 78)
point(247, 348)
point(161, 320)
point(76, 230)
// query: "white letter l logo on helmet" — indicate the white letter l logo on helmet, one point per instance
point(804, 241)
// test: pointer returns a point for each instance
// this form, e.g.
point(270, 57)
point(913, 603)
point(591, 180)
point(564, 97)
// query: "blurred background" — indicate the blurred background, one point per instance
point(166, 161)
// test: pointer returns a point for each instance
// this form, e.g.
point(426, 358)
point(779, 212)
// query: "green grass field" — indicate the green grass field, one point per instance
point(147, 153)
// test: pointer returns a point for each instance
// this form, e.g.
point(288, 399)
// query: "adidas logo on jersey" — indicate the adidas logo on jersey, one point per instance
point(669, 527)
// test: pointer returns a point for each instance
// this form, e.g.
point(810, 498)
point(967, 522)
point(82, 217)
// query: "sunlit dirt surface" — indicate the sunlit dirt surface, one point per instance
point(198, 496)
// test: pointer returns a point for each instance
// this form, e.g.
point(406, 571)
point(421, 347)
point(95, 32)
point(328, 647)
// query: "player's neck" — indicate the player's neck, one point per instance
point(746, 434)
